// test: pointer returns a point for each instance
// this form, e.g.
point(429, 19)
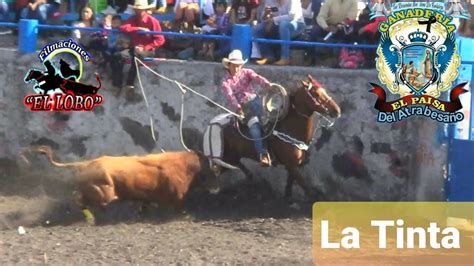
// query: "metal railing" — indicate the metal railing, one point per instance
point(241, 37)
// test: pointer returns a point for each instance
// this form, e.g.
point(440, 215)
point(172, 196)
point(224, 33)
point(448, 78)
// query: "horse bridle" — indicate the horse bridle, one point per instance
point(315, 100)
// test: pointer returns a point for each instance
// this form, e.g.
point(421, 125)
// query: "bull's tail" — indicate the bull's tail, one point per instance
point(49, 154)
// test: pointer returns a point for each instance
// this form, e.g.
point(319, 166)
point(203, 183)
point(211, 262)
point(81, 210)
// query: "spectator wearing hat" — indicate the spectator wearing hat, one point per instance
point(142, 45)
point(238, 88)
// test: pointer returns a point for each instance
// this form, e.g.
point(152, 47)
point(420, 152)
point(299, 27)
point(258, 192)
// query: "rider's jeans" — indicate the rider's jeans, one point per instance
point(251, 110)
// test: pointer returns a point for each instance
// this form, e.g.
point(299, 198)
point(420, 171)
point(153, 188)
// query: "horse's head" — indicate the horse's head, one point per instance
point(312, 97)
point(33, 75)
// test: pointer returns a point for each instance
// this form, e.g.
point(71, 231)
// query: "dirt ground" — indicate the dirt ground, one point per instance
point(246, 223)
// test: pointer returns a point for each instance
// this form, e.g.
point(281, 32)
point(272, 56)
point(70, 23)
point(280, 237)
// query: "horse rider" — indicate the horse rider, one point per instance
point(240, 92)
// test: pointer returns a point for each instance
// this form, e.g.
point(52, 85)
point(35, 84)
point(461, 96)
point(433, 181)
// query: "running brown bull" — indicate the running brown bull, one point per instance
point(163, 178)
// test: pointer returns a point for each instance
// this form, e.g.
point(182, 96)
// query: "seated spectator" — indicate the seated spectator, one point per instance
point(315, 7)
point(189, 11)
point(110, 9)
point(159, 6)
point(94, 42)
point(368, 31)
point(334, 17)
point(216, 24)
point(117, 6)
point(86, 20)
point(40, 10)
point(4, 16)
point(282, 19)
point(308, 13)
point(142, 45)
point(243, 11)
point(466, 26)
point(4, 11)
point(107, 22)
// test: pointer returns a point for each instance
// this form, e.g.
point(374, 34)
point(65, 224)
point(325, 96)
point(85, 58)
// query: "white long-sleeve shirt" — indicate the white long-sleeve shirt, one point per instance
point(290, 10)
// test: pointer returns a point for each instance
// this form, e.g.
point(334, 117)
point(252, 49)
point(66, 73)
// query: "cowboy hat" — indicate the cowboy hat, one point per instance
point(141, 4)
point(235, 57)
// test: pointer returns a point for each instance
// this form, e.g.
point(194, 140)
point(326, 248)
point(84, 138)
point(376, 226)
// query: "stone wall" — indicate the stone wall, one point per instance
point(356, 159)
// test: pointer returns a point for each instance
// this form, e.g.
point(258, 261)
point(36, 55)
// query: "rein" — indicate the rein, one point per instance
point(301, 144)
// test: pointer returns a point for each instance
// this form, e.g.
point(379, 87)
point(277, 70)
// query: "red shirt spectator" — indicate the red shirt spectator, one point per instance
point(145, 22)
point(373, 26)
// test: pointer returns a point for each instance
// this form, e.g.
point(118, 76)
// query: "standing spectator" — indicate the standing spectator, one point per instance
point(142, 45)
point(283, 19)
point(40, 10)
point(117, 43)
point(333, 16)
point(243, 11)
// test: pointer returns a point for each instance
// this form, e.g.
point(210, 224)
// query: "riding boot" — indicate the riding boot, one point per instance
point(256, 134)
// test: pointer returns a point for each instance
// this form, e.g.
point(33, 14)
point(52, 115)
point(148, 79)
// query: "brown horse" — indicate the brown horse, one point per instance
point(298, 124)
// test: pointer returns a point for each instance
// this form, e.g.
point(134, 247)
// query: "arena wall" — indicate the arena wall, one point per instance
point(356, 159)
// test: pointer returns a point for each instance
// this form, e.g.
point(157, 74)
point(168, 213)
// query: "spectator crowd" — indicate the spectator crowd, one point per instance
point(333, 21)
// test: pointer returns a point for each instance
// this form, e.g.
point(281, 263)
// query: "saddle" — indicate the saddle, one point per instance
point(275, 103)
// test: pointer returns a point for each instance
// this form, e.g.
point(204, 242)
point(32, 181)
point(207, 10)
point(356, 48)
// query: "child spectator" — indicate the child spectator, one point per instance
point(117, 40)
point(107, 22)
point(243, 11)
point(217, 24)
point(117, 43)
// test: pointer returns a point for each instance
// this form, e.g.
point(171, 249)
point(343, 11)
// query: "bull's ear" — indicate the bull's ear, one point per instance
point(311, 79)
point(305, 84)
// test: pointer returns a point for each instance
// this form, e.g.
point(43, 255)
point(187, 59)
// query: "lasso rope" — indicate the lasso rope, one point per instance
point(183, 89)
point(264, 137)
point(183, 86)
